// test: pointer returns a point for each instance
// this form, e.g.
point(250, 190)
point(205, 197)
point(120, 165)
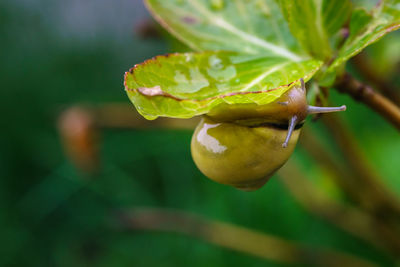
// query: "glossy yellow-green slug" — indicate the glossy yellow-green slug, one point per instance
point(245, 145)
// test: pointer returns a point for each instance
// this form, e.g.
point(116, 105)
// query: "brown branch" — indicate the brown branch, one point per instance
point(348, 218)
point(345, 216)
point(364, 175)
point(342, 176)
point(364, 93)
point(368, 72)
point(370, 195)
point(237, 238)
point(80, 126)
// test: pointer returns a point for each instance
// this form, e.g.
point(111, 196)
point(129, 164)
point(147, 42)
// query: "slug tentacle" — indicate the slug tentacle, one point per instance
point(292, 125)
point(315, 110)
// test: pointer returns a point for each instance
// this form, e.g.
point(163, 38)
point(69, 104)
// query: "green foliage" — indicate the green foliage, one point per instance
point(52, 215)
point(253, 27)
point(272, 43)
point(314, 22)
point(368, 27)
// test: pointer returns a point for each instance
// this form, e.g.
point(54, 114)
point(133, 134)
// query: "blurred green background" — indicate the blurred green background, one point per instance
point(56, 54)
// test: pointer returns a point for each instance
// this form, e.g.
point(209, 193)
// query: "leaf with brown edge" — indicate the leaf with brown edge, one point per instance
point(190, 84)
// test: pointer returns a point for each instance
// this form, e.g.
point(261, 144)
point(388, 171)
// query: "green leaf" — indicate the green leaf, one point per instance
point(314, 22)
point(366, 4)
point(190, 84)
point(367, 28)
point(251, 26)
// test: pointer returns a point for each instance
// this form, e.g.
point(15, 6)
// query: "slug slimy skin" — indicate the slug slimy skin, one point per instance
point(245, 147)
point(241, 156)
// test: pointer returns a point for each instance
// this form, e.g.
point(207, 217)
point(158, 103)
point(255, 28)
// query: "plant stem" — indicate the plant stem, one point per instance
point(365, 68)
point(347, 217)
point(366, 178)
point(342, 176)
point(370, 195)
point(236, 238)
point(80, 129)
point(364, 93)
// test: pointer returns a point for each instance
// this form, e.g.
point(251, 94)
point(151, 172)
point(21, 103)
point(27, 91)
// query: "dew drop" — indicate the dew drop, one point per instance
point(217, 4)
point(189, 57)
point(215, 62)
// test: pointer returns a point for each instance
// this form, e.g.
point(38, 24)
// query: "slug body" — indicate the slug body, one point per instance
point(244, 147)
point(241, 156)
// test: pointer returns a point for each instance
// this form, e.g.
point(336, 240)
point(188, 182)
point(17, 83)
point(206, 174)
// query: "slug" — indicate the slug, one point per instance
point(245, 145)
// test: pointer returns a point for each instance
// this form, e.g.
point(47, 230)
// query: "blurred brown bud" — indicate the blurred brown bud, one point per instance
point(80, 138)
point(147, 29)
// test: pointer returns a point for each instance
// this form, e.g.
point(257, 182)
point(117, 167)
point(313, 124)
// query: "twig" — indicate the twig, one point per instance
point(363, 193)
point(367, 179)
point(342, 176)
point(367, 71)
point(236, 238)
point(80, 126)
point(347, 217)
point(364, 93)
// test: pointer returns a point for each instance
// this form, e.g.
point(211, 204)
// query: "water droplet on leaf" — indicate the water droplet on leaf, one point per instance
point(215, 62)
point(189, 57)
